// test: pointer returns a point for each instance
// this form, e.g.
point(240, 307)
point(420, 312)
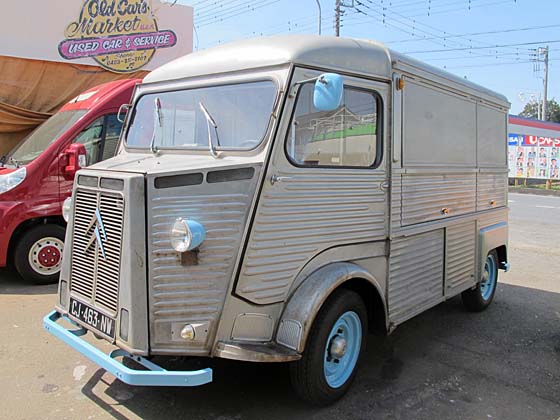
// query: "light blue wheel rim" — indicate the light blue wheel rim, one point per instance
point(338, 370)
point(490, 276)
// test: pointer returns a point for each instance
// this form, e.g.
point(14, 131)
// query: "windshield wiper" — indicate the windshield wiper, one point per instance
point(210, 122)
point(10, 160)
point(158, 119)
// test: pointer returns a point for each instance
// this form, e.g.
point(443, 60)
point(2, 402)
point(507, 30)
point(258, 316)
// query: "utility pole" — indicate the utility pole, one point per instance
point(337, 18)
point(544, 104)
point(541, 56)
point(338, 12)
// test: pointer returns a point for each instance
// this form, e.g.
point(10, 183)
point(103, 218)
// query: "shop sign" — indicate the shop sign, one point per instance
point(533, 156)
point(121, 35)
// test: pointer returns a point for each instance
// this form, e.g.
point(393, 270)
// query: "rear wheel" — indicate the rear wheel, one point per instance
point(38, 253)
point(479, 298)
point(336, 341)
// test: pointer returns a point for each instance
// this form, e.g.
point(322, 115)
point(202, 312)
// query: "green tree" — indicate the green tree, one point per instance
point(552, 111)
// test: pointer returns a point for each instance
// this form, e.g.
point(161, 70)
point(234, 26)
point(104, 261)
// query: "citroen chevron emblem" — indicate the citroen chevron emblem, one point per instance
point(98, 232)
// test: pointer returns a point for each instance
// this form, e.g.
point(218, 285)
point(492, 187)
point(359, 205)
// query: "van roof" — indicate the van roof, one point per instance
point(358, 56)
point(98, 94)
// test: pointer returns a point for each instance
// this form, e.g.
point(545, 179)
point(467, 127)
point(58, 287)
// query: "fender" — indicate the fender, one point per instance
point(308, 298)
point(494, 237)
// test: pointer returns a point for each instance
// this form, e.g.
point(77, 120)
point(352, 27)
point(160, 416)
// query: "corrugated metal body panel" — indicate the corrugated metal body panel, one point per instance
point(491, 190)
point(416, 274)
point(460, 258)
point(424, 197)
point(491, 218)
point(396, 202)
point(307, 212)
point(194, 291)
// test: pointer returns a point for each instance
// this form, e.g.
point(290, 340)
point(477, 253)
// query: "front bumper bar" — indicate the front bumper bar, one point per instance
point(154, 376)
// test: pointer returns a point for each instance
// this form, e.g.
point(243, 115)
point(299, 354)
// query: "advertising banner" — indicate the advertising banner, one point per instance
point(121, 36)
point(533, 156)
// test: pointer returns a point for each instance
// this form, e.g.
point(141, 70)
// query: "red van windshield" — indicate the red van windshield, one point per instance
point(46, 134)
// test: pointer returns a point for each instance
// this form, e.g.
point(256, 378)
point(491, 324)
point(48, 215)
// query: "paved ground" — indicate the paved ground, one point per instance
point(446, 363)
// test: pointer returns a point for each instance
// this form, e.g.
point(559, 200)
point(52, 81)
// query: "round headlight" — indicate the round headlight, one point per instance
point(67, 209)
point(186, 235)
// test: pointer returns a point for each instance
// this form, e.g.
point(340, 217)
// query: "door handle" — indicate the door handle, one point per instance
point(275, 178)
point(384, 185)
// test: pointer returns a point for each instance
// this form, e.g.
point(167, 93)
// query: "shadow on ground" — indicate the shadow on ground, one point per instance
point(446, 363)
point(12, 284)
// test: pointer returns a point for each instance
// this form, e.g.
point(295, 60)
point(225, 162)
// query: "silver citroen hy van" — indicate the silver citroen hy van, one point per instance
point(274, 200)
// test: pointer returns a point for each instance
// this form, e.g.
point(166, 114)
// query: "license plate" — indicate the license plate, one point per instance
point(92, 317)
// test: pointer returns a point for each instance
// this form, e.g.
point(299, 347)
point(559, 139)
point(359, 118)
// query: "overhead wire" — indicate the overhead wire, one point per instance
point(502, 31)
point(416, 29)
point(237, 11)
point(485, 47)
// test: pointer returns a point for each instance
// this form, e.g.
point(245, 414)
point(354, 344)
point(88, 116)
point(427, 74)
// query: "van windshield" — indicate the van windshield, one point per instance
point(239, 116)
point(45, 135)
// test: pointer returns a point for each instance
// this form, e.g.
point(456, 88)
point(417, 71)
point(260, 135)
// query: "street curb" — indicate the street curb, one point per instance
point(534, 191)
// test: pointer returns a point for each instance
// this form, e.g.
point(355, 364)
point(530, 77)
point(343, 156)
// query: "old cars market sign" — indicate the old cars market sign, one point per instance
point(121, 35)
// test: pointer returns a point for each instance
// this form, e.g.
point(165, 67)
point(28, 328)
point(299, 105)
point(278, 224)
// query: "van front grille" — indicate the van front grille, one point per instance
point(96, 247)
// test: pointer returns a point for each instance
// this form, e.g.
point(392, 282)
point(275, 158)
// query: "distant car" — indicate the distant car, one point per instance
point(37, 175)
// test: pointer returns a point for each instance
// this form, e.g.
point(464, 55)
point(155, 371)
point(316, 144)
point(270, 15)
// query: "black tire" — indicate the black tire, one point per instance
point(308, 374)
point(476, 299)
point(37, 238)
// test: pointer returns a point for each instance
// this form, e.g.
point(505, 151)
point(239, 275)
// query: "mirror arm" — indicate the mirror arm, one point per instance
point(210, 122)
point(210, 142)
point(301, 82)
point(158, 118)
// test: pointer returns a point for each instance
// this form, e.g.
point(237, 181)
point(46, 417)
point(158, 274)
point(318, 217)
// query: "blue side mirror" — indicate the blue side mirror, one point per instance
point(327, 95)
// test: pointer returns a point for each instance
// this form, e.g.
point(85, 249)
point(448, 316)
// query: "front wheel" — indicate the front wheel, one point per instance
point(479, 298)
point(336, 341)
point(38, 254)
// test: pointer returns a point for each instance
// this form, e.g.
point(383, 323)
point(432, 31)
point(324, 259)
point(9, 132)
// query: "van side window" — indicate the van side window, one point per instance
point(91, 137)
point(112, 132)
point(345, 137)
point(100, 138)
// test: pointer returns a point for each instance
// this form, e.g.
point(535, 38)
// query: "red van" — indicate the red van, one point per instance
point(37, 175)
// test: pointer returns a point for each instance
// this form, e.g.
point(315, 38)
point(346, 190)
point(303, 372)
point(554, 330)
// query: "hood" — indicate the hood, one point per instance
point(147, 163)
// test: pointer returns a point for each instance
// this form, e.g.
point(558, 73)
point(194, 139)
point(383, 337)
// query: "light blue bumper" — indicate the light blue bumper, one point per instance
point(154, 376)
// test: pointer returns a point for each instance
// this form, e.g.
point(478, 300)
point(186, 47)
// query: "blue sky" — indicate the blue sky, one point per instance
point(463, 29)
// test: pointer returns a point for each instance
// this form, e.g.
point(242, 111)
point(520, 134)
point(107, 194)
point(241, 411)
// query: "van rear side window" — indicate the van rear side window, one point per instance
point(345, 137)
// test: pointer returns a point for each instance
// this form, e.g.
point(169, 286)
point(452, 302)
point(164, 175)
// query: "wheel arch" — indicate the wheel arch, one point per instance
point(24, 226)
point(494, 237)
point(307, 300)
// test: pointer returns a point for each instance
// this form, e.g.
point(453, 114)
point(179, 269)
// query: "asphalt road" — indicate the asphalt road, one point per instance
point(503, 363)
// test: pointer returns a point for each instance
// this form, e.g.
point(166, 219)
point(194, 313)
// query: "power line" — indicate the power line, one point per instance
point(481, 48)
point(249, 6)
point(494, 64)
point(415, 25)
point(502, 31)
point(508, 55)
point(221, 11)
point(382, 17)
point(439, 8)
point(385, 22)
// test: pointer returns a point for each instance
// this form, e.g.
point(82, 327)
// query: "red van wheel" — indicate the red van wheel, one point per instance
point(38, 254)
